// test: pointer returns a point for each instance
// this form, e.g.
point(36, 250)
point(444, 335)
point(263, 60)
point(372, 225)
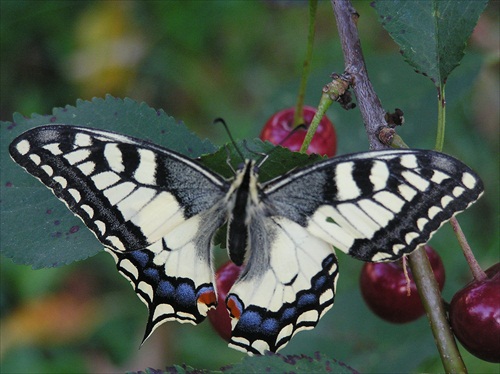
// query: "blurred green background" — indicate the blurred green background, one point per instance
point(240, 60)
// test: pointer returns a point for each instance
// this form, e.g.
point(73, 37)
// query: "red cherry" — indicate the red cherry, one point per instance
point(225, 277)
point(475, 316)
point(279, 126)
point(384, 288)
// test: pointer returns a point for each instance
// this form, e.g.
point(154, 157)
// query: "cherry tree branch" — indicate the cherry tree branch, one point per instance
point(369, 104)
point(432, 301)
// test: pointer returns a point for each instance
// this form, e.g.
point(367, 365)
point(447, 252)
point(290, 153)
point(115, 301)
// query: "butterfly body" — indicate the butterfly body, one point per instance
point(156, 212)
point(241, 210)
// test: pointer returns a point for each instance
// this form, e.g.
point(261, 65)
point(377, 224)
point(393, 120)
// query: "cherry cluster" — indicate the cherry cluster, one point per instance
point(388, 289)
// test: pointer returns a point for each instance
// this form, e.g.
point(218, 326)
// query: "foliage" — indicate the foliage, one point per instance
point(202, 62)
point(270, 363)
point(49, 221)
point(433, 34)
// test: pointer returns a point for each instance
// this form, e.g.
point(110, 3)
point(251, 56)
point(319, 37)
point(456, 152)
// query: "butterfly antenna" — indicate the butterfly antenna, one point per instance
point(297, 128)
point(221, 120)
point(264, 159)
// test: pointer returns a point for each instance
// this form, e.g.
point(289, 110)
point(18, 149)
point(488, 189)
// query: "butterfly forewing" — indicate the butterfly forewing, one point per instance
point(376, 206)
point(130, 193)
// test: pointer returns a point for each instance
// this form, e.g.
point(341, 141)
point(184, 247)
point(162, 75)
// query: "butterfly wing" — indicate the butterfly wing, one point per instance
point(287, 286)
point(129, 192)
point(173, 276)
point(145, 204)
point(376, 206)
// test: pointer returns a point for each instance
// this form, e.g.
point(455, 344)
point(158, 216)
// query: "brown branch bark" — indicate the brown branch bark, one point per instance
point(369, 104)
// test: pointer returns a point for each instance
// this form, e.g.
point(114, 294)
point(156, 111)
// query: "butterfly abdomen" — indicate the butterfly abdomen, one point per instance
point(240, 213)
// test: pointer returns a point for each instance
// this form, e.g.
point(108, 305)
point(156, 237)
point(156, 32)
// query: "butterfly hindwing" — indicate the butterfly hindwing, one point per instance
point(376, 206)
point(173, 276)
point(287, 286)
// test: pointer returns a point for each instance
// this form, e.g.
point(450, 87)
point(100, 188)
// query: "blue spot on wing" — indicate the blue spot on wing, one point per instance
point(270, 326)
point(165, 288)
point(307, 299)
point(152, 274)
point(320, 282)
point(250, 321)
point(288, 313)
point(185, 295)
point(140, 256)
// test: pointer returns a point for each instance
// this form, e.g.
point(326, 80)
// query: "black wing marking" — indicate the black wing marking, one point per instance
point(173, 276)
point(288, 285)
point(129, 192)
point(376, 206)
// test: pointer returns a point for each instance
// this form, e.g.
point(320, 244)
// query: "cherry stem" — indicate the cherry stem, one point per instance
point(374, 118)
point(323, 105)
point(332, 91)
point(407, 276)
point(441, 119)
point(298, 117)
point(476, 270)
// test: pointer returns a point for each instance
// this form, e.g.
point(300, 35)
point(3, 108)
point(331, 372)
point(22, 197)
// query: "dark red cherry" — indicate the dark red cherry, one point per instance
point(225, 277)
point(475, 316)
point(280, 125)
point(384, 289)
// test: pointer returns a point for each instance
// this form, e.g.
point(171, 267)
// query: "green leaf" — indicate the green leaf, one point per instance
point(432, 34)
point(270, 363)
point(277, 363)
point(38, 229)
point(279, 160)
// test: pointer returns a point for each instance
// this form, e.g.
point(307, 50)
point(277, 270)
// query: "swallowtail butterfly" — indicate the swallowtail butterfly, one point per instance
point(156, 212)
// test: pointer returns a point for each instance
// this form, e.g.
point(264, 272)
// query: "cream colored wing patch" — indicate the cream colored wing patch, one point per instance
point(283, 293)
point(376, 206)
point(128, 192)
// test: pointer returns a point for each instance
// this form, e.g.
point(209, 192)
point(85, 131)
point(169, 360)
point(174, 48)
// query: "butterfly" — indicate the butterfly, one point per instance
point(156, 212)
